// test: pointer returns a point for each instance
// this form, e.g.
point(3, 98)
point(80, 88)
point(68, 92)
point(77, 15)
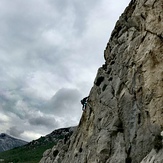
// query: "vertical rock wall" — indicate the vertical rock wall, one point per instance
point(124, 116)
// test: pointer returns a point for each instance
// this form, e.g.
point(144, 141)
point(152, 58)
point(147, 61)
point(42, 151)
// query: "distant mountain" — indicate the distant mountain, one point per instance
point(7, 142)
point(33, 151)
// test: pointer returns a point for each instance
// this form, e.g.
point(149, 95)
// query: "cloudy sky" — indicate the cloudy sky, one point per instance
point(50, 51)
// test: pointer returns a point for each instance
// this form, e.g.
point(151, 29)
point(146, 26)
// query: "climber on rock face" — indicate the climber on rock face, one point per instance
point(84, 102)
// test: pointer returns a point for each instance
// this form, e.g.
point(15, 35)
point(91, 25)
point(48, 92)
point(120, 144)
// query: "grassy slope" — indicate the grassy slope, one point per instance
point(25, 154)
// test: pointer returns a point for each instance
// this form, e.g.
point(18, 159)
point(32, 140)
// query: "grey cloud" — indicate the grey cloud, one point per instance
point(22, 33)
point(21, 108)
point(14, 131)
point(47, 45)
point(79, 10)
point(6, 100)
point(64, 102)
point(82, 10)
point(46, 121)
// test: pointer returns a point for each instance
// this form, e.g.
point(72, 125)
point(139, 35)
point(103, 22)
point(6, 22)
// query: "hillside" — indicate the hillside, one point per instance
point(32, 152)
point(123, 120)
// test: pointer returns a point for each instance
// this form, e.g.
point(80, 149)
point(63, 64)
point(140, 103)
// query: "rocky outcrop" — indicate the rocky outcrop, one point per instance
point(123, 120)
point(52, 138)
point(62, 136)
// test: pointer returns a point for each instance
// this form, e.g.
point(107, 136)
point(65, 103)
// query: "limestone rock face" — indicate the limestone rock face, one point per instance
point(123, 120)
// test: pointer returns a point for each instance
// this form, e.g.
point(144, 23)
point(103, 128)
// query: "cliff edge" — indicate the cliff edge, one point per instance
point(123, 120)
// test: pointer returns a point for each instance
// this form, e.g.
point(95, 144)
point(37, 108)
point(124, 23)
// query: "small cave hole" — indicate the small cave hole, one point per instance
point(161, 37)
point(104, 66)
point(110, 79)
point(113, 91)
point(112, 62)
point(109, 71)
point(55, 153)
point(128, 160)
point(120, 127)
point(147, 113)
point(142, 16)
point(133, 64)
point(99, 80)
point(99, 119)
point(158, 142)
point(139, 118)
point(140, 89)
point(80, 150)
point(104, 87)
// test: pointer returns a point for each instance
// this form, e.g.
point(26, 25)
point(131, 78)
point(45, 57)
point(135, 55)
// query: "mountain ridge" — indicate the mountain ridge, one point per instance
point(8, 142)
point(32, 152)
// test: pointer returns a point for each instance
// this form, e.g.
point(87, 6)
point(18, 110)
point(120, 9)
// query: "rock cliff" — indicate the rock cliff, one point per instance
point(123, 120)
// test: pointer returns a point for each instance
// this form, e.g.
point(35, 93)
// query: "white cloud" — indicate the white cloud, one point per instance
point(30, 135)
point(4, 118)
point(50, 52)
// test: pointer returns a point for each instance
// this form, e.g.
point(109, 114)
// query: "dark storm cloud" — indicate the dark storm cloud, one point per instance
point(44, 121)
point(14, 131)
point(65, 102)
